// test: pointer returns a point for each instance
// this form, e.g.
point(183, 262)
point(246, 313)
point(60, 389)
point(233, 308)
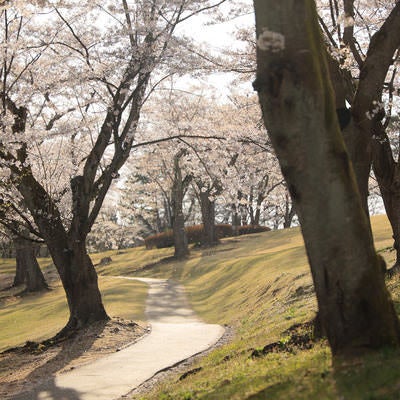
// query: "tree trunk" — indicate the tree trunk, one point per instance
point(68, 251)
point(235, 220)
point(391, 199)
point(178, 222)
point(209, 236)
point(289, 213)
point(80, 283)
point(19, 278)
point(387, 173)
point(257, 215)
point(299, 111)
point(28, 271)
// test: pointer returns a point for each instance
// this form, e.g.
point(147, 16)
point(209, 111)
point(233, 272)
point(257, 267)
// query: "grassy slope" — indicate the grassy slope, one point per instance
point(259, 284)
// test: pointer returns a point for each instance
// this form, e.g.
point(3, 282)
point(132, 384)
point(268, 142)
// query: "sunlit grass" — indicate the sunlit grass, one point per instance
point(261, 285)
point(35, 317)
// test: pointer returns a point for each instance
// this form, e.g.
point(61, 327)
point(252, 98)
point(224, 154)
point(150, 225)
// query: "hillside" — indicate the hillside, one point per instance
point(259, 285)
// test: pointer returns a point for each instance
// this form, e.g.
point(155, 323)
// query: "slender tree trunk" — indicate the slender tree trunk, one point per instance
point(178, 224)
point(289, 213)
point(235, 220)
point(180, 237)
point(257, 215)
point(298, 107)
point(209, 237)
point(28, 270)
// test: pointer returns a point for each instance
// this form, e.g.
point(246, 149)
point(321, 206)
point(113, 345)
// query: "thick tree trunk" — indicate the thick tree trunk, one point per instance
point(80, 283)
point(209, 237)
point(19, 278)
point(68, 251)
point(178, 224)
point(355, 308)
point(27, 270)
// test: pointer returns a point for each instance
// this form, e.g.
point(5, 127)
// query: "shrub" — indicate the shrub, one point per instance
point(224, 230)
point(195, 232)
point(160, 240)
point(246, 229)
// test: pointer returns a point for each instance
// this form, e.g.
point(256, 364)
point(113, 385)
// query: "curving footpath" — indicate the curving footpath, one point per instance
point(176, 334)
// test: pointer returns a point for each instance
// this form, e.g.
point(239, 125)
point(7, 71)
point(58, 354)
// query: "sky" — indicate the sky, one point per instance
point(215, 38)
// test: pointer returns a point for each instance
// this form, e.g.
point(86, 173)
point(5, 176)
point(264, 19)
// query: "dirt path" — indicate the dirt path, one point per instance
point(176, 334)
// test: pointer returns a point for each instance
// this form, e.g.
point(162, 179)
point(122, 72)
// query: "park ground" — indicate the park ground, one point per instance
point(258, 285)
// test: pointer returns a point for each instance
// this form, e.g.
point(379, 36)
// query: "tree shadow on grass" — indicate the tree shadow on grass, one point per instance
point(70, 349)
point(372, 375)
point(270, 392)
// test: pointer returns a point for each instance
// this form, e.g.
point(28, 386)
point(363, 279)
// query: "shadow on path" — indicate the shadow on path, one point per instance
point(175, 336)
point(49, 391)
point(70, 350)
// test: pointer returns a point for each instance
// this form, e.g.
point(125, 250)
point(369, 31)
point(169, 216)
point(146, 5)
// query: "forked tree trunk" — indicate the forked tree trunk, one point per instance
point(27, 268)
point(298, 107)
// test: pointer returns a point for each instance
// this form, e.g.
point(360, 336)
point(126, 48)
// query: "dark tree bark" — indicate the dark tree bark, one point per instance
point(387, 173)
point(68, 250)
point(235, 220)
point(290, 212)
point(19, 278)
point(300, 114)
point(27, 268)
point(179, 187)
point(209, 236)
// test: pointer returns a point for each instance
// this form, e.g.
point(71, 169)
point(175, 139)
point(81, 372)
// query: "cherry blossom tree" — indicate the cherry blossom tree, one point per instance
point(74, 84)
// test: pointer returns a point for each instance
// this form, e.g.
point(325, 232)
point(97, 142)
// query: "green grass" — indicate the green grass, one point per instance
point(36, 317)
point(261, 285)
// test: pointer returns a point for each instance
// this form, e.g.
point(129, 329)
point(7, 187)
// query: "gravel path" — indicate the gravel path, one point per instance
point(176, 334)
